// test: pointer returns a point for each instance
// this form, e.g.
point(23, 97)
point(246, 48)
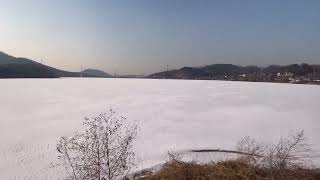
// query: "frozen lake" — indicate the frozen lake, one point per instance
point(172, 115)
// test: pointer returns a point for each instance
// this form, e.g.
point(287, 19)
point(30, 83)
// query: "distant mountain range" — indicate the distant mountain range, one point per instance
point(97, 73)
point(221, 71)
point(13, 67)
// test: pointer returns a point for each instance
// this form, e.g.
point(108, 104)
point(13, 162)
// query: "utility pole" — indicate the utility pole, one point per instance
point(314, 72)
point(81, 71)
point(115, 68)
point(167, 71)
point(261, 73)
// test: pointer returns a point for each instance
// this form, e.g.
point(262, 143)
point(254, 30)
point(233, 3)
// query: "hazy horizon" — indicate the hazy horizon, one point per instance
point(141, 37)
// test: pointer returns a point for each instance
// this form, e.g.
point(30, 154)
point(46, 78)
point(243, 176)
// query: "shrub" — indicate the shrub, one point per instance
point(102, 151)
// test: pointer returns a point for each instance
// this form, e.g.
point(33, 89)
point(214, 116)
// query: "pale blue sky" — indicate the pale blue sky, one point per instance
point(143, 36)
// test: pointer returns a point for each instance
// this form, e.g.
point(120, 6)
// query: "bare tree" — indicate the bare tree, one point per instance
point(250, 150)
point(103, 151)
point(287, 153)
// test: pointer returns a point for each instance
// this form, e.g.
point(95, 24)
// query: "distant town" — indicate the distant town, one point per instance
point(294, 73)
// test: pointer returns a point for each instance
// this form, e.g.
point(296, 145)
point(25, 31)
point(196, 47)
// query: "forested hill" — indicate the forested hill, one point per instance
point(15, 67)
point(221, 71)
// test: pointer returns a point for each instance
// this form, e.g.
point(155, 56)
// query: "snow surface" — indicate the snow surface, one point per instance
point(172, 115)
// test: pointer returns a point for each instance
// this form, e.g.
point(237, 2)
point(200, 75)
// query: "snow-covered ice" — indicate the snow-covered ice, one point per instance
point(172, 115)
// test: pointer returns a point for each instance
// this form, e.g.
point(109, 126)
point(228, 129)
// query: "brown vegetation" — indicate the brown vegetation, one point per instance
point(256, 161)
point(228, 170)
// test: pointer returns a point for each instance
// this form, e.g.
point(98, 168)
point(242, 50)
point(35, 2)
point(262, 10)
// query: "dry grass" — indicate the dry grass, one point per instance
point(227, 170)
point(283, 160)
